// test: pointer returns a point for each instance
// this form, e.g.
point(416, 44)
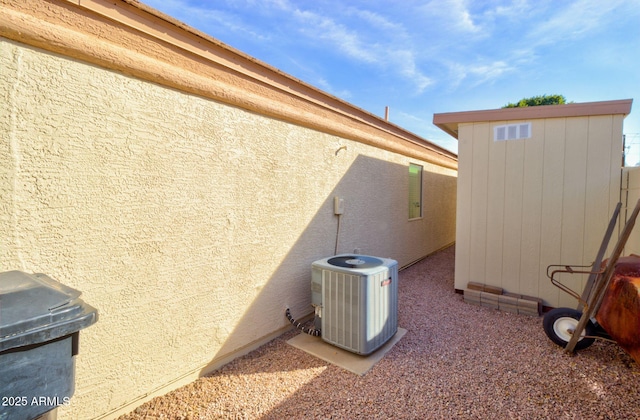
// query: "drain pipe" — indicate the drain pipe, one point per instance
point(335, 252)
point(338, 210)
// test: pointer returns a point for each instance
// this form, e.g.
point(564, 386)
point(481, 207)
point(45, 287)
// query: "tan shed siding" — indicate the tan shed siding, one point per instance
point(513, 196)
point(615, 171)
point(631, 195)
point(552, 204)
point(532, 222)
point(603, 180)
point(597, 178)
point(496, 209)
point(616, 158)
point(479, 197)
point(574, 202)
point(463, 208)
point(534, 202)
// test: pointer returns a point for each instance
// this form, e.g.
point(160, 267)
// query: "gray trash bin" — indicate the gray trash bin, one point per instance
point(40, 320)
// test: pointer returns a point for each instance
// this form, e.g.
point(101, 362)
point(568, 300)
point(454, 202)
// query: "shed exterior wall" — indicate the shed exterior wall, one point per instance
point(630, 196)
point(526, 204)
point(189, 223)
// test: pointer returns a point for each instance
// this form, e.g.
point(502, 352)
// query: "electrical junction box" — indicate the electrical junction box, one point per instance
point(338, 205)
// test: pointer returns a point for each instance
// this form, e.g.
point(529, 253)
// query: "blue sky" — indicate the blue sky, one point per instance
point(426, 57)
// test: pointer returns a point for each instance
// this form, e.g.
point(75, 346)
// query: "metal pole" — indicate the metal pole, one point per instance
point(595, 269)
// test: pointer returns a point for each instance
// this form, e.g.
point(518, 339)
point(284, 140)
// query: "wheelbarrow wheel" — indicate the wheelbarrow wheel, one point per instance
point(560, 323)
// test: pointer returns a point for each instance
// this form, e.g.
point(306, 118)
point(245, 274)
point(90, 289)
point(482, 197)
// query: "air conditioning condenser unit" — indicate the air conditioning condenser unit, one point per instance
point(356, 301)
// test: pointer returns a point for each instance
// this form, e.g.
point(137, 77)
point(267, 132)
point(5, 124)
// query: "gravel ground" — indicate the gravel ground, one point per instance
point(456, 361)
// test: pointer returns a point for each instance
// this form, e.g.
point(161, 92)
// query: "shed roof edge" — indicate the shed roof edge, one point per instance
point(448, 121)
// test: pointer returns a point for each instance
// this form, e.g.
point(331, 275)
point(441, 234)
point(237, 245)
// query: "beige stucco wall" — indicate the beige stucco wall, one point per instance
point(526, 204)
point(189, 223)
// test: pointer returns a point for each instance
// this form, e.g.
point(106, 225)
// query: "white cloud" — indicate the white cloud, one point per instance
point(457, 73)
point(490, 71)
point(462, 15)
point(514, 10)
point(477, 73)
point(406, 63)
point(204, 17)
point(320, 81)
point(366, 43)
point(361, 35)
point(454, 15)
point(348, 41)
point(575, 20)
point(323, 84)
point(379, 22)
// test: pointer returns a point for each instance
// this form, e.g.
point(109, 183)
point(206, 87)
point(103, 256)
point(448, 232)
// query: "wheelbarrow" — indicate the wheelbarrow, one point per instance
point(576, 329)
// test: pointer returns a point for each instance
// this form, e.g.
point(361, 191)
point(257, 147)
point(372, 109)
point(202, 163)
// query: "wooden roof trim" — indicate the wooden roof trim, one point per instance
point(449, 121)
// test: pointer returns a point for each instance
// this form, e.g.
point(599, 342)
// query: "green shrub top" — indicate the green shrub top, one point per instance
point(537, 101)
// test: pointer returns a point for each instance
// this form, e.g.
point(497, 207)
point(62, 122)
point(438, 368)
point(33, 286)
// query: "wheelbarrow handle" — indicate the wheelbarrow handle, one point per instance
point(570, 269)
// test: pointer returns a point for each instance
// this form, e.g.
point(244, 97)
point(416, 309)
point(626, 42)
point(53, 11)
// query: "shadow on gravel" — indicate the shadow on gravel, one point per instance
point(464, 361)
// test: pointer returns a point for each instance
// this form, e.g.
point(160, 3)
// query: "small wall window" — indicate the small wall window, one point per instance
point(512, 132)
point(415, 191)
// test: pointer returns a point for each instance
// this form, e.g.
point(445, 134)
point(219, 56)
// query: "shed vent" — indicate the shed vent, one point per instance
point(512, 132)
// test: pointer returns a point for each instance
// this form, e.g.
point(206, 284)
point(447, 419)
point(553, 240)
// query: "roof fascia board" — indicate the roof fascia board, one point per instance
point(449, 121)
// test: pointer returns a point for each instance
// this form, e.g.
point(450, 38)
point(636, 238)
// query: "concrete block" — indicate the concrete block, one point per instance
point(484, 288)
point(532, 298)
point(472, 296)
point(490, 297)
point(475, 286)
point(493, 289)
point(508, 304)
point(530, 304)
point(508, 300)
point(472, 292)
point(508, 308)
point(489, 300)
point(529, 307)
point(528, 312)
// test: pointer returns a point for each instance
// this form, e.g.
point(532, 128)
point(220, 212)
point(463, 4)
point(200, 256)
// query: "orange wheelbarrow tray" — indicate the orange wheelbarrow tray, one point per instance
point(609, 306)
point(617, 315)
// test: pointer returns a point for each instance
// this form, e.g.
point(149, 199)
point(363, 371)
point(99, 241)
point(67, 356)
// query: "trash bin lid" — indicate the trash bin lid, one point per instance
point(34, 309)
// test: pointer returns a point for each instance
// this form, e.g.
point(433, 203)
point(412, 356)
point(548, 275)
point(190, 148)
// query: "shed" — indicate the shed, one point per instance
point(536, 186)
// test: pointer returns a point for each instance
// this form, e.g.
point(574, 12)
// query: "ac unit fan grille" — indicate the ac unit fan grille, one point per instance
point(359, 311)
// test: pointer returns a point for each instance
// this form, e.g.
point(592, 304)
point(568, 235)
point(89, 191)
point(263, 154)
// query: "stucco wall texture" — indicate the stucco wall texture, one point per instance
point(190, 224)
